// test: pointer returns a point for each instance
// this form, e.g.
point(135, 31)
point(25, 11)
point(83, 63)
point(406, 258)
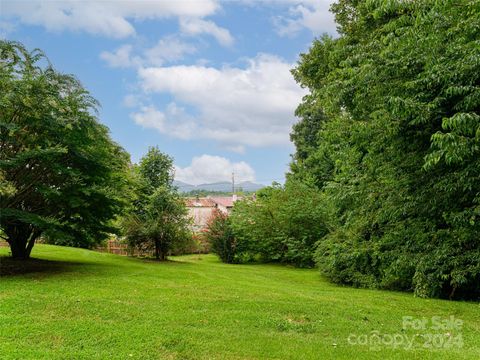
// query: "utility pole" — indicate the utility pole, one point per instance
point(233, 183)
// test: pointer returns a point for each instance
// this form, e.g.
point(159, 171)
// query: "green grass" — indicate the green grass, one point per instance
point(79, 304)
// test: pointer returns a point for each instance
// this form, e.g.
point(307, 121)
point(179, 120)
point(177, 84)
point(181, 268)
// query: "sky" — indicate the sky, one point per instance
point(206, 81)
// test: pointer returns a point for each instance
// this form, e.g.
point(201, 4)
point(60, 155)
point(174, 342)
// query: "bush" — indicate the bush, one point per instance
point(193, 244)
point(283, 224)
point(220, 236)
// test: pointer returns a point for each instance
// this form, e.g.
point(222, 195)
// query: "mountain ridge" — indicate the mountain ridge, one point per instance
point(223, 186)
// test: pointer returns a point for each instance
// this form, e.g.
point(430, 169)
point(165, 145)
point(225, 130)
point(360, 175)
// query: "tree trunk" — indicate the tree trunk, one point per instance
point(21, 239)
point(157, 249)
point(160, 253)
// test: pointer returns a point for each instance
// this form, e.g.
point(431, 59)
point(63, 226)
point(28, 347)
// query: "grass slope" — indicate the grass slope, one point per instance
point(79, 304)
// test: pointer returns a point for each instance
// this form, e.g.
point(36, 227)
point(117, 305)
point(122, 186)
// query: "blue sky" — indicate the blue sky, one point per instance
point(207, 81)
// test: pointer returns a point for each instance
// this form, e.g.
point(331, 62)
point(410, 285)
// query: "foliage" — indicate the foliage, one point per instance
point(394, 102)
point(157, 220)
point(61, 175)
point(194, 243)
point(282, 224)
point(156, 169)
point(162, 225)
point(219, 233)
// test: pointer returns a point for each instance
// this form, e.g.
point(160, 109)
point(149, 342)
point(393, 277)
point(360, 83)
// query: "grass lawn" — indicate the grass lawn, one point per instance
point(79, 304)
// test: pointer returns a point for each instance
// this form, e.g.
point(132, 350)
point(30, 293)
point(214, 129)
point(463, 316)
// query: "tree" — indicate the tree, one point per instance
point(61, 176)
point(156, 169)
point(157, 220)
point(162, 224)
point(283, 224)
point(397, 151)
point(221, 238)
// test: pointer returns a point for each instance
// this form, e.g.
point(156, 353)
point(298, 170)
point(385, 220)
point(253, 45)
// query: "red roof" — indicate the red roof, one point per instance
point(226, 201)
point(199, 202)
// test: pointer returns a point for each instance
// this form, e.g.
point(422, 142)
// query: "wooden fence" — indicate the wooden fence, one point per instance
point(117, 247)
point(114, 246)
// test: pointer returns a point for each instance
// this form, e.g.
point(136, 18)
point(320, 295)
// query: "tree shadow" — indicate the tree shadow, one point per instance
point(13, 267)
point(152, 260)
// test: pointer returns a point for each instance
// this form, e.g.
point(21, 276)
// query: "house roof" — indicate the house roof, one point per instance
point(226, 201)
point(199, 202)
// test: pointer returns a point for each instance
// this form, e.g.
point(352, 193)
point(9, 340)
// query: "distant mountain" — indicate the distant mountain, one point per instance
point(249, 186)
point(223, 186)
point(183, 187)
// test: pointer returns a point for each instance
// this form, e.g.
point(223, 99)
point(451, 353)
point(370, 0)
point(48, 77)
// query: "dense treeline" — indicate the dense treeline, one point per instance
point(394, 106)
point(389, 134)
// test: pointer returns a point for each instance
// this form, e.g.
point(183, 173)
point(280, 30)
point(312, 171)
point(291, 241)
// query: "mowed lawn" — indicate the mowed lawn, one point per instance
point(80, 304)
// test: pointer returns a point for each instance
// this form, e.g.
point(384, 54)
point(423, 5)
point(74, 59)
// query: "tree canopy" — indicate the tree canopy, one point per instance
point(390, 132)
point(61, 175)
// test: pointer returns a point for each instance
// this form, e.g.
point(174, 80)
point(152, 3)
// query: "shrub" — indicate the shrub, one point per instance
point(220, 236)
point(283, 224)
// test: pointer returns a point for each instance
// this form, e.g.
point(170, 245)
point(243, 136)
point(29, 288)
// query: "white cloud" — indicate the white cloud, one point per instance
point(132, 100)
point(195, 26)
point(108, 18)
point(310, 14)
point(182, 126)
point(150, 117)
point(237, 107)
point(209, 169)
point(167, 50)
point(120, 58)
point(5, 28)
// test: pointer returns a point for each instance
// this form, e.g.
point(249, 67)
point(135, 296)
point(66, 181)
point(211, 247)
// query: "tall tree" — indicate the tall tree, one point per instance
point(61, 175)
point(398, 150)
point(158, 220)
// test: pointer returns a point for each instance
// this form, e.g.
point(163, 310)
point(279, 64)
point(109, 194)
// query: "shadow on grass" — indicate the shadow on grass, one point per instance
point(168, 261)
point(13, 267)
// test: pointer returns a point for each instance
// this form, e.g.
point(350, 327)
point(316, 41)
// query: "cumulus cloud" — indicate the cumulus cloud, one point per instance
point(108, 18)
point(167, 50)
point(195, 26)
point(310, 14)
point(121, 57)
point(182, 126)
point(209, 169)
point(251, 106)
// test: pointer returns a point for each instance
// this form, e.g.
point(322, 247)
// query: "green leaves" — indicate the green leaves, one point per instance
point(157, 219)
point(394, 146)
point(156, 168)
point(61, 171)
point(283, 224)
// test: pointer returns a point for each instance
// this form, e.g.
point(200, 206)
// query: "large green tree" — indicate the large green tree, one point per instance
point(61, 175)
point(396, 117)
